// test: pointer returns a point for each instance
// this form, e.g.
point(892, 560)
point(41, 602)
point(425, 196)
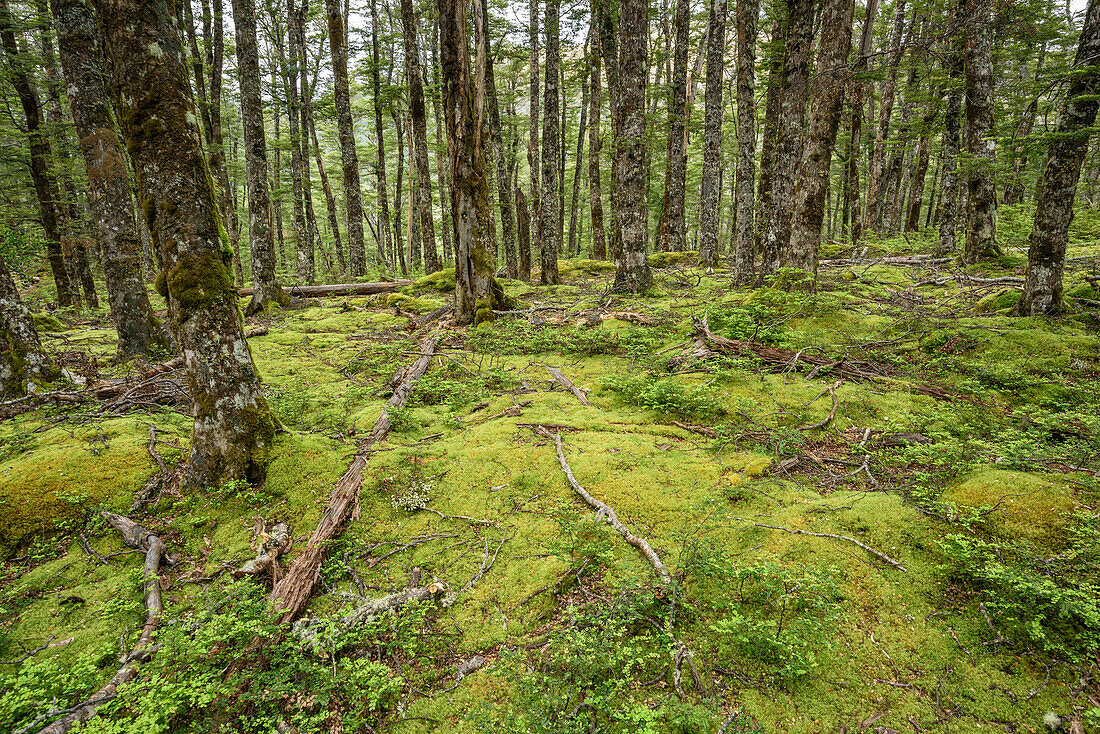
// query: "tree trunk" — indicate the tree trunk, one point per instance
point(768, 149)
point(383, 233)
point(215, 59)
point(308, 267)
point(533, 146)
point(440, 165)
point(108, 180)
point(813, 176)
point(674, 233)
point(595, 145)
point(22, 360)
point(949, 194)
point(523, 226)
point(798, 40)
point(632, 273)
point(345, 130)
point(422, 185)
point(266, 289)
point(747, 13)
point(872, 217)
point(399, 247)
point(981, 194)
point(476, 292)
point(233, 425)
point(503, 179)
point(277, 168)
point(1058, 186)
point(549, 231)
point(712, 134)
point(609, 49)
point(574, 200)
point(44, 187)
point(330, 199)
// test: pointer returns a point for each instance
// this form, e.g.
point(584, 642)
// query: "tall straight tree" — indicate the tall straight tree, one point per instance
point(855, 127)
point(266, 290)
point(533, 135)
point(22, 359)
point(632, 273)
point(949, 194)
point(981, 195)
point(109, 194)
point(422, 184)
point(476, 292)
point(441, 157)
point(813, 175)
point(215, 58)
point(501, 168)
point(1058, 185)
point(383, 231)
point(345, 128)
point(233, 426)
point(605, 19)
point(673, 235)
point(307, 267)
point(747, 13)
point(872, 216)
point(303, 244)
point(45, 188)
point(599, 238)
point(797, 43)
point(712, 134)
point(550, 235)
point(574, 199)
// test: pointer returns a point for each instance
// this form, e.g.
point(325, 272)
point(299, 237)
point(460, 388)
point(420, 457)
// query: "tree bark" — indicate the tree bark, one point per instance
point(549, 231)
point(981, 197)
point(383, 233)
point(747, 13)
point(674, 231)
point(574, 200)
point(813, 177)
point(45, 188)
point(440, 162)
point(266, 289)
point(21, 357)
point(595, 145)
point(108, 180)
point(712, 134)
point(422, 186)
point(772, 101)
point(632, 273)
point(1058, 186)
point(872, 217)
point(949, 194)
point(215, 60)
point(533, 145)
point(330, 200)
point(609, 49)
point(148, 81)
point(503, 179)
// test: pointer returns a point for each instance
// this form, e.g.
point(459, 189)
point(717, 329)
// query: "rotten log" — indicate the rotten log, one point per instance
point(338, 289)
point(138, 537)
point(306, 629)
point(561, 379)
point(292, 592)
point(272, 545)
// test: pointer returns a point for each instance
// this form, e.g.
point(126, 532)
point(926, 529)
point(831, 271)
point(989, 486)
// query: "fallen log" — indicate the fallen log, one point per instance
point(292, 592)
point(561, 379)
point(338, 289)
point(135, 536)
point(272, 545)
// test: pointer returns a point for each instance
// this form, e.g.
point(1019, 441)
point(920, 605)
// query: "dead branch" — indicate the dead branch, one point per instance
point(605, 512)
point(338, 289)
point(135, 536)
point(831, 389)
point(565, 382)
point(864, 546)
point(702, 430)
point(272, 545)
point(293, 590)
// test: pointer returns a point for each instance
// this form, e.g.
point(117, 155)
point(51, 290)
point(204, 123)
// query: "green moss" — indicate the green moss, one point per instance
point(47, 322)
point(671, 259)
point(441, 281)
point(1001, 301)
point(199, 279)
point(1017, 505)
point(411, 303)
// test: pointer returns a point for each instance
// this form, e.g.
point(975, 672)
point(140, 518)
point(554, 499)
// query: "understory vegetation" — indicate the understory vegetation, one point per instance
point(899, 536)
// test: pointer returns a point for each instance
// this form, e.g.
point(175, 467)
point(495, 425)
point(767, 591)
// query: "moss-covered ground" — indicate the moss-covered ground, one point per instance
point(991, 508)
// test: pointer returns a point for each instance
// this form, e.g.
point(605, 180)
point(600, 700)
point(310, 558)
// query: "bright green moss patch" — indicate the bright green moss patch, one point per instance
point(1017, 505)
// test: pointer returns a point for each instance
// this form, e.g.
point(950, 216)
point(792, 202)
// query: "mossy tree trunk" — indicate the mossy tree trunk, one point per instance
point(266, 290)
point(227, 209)
point(533, 144)
point(855, 126)
point(476, 293)
point(422, 184)
point(981, 227)
point(353, 197)
point(148, 81)
point(108, 180)
point(45, 189)
point(673, 233)
point(599, 238)
point(748, 12)
point(21, 357)
point(1058, 185)
point(441, 158)
point(549, 231)
point(383, 232)
point(632, 273)
point(308, 265)
point(949, 194)
point(872, 216)
point(712, 134)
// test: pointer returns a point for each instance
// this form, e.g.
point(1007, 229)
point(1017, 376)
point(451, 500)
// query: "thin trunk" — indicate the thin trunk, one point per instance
point(440, 165)
point(747, 14)
point(307, 268)
point(981, 193)
point(302, 241)
point(872, 218)
point(403, 256)
point(574, 201)
point(22, 360)
point(502, 169)
point(609, 49)
point(769, 137)
point(533, 146)
point(383, 234)
point(712, 135)
point(599, 237)
point(423, 180)
point(218, 163)
point(549, 232)
point(674, 232)
point(330, 199)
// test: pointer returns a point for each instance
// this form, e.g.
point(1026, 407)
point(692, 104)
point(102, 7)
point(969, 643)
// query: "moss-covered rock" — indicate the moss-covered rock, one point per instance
point(1001, 301)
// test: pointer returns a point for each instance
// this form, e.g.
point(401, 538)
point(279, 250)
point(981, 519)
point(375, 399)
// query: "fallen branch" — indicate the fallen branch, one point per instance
point(272, 545)
point(605, 512)
point(831, 389)
point(701, 430)
point(338, 289)
point(293, 591)
point(877, 554)
point(135, 536)
point(565, 382)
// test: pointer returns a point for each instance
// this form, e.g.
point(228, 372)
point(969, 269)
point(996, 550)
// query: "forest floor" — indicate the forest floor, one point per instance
point(959, 446)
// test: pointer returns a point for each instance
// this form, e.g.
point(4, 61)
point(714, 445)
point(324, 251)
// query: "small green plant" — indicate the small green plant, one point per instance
point(667, 396)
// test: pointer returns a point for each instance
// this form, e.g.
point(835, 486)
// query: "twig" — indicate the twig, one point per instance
point(831, 389)
point(30, 654)
point(864, 546)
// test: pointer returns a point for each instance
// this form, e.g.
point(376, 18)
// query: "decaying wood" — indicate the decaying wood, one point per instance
point(156, 483)
point(338, 289)
point(831, 389)
point(701, 430)
point(292, 592)
point(135, 536)
point(877, 554)
point(271, 546)
point(899, 260)
point(565, 382)
point(605, 512)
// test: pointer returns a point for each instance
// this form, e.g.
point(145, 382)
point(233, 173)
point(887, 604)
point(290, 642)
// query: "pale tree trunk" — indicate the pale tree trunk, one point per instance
point(798, 40)
point(108, 180)
point(632, 273)
point(345, 130)
point(22, 360)
point(330, 199)
point(772, 101)
point(440, 163)
point(813, 175)
point(747, 13)
point(574, 200)
point(215, 58)
point(277, 170)
point(383, 233)
point(609, 50)
point(1014, 189)
point(292, 69)
point(307, 267)
point(422, 185)
point(1058, 185)
point(266, 290)
point(549, 231)
point(476, 292)
point(45, 188)
point(233, 426)
point(599, 237)
point(403, 256)
point(949, 194)
point(981, 197)
point(673, 232)
point(712, 134)
point(855, 127)
point(872, 217)
point(503, 179)
point(533, 145)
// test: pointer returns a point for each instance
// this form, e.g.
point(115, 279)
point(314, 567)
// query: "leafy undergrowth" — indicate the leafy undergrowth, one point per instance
point(987, 498)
